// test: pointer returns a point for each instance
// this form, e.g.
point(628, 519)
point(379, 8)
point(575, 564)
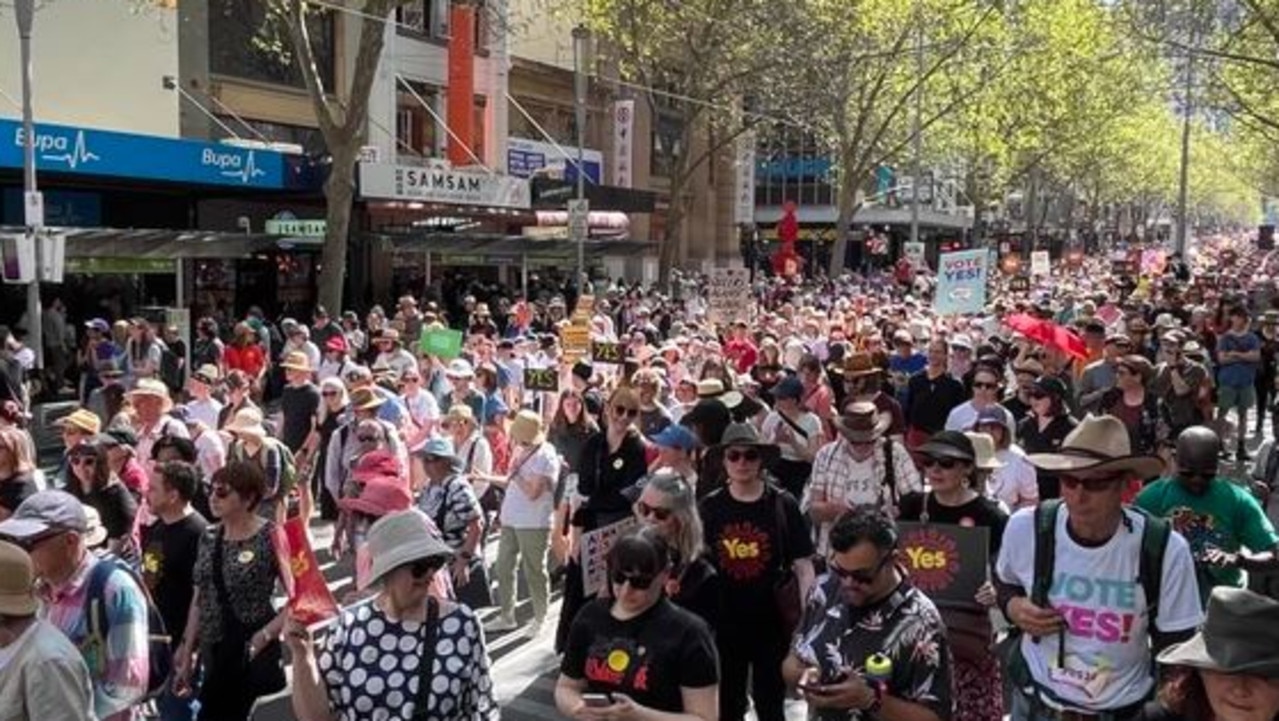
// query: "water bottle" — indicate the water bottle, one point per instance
point(879, 671)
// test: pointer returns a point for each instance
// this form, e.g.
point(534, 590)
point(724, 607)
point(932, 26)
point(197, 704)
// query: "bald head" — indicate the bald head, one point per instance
point(1197, 451)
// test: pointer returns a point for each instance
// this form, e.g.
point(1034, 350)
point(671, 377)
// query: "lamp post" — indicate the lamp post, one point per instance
point(581, 55)
point(25, 13)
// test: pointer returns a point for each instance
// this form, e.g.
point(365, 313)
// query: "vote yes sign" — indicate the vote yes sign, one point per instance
point(961, 282)
point(947, 562)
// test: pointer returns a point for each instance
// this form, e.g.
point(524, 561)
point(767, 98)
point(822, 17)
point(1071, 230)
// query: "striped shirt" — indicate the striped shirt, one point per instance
point(119, 667)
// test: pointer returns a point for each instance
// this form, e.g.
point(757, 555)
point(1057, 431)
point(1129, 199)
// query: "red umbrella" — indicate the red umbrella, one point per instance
point(1069, 341)
point(1047, 333)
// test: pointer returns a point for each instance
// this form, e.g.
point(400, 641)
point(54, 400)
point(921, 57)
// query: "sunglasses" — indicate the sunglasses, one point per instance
point(984, 385)
point(1038, 395)
point(624, 412)
point(861, 576)
point(749, 455)
point(1092, 485)
point(657, 512)
point(221, 490)
point(329, 394)
point(1204, 473)
point(945, 463)
point(638, 581)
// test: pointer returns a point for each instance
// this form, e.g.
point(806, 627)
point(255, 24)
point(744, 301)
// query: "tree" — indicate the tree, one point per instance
point(697, 64)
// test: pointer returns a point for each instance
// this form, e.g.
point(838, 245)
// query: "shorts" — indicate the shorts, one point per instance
point(1241, 397)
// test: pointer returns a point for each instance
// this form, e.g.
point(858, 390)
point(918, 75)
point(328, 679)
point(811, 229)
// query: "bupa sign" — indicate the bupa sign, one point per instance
point(87, 151)
point(443, 185)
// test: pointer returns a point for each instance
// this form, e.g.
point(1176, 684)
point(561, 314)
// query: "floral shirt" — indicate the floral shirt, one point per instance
point(905, 626)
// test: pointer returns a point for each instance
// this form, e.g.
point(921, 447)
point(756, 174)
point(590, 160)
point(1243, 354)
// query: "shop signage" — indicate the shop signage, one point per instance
point(296, 227)
point(443, 185)
point(120, 266)
point(87, 151)
point(623, 143)
point(526, 157)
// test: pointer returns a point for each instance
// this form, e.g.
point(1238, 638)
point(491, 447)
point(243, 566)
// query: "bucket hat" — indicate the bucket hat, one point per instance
point(1240, 635)
point(402, 537)
point(744, 434)
point(863, 423)
point(247, 421)
point(526, 429)
point(296, 361)
point(949, 444)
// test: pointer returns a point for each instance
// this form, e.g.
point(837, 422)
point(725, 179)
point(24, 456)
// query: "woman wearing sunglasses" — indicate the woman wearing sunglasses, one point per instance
point(955, 497)
point(760, 539)
point(637, 655)
point(402, 654)
point(667, 506)
point(1046, 427)
point(94, 485)
point(612, 461)
point(231, 611)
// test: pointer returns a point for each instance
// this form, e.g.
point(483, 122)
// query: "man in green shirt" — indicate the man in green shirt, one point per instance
point(1220, 519)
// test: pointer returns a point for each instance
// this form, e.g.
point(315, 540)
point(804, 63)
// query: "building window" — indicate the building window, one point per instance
point(415, 128)
point(481, 24)
point(477, 144)
point(557, 120)
point(245, 43)
point(415, 17)
point(668, 145)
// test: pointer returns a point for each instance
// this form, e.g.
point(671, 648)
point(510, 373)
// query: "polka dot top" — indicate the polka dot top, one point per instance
point(371, 666)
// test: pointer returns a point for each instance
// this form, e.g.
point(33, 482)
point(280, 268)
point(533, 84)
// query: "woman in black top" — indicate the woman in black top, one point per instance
point(571, 427)
point(954, 498)
point(667, 506)
point(1047, 425)
point(92, 482)
point(612, 460)
point(646, 656)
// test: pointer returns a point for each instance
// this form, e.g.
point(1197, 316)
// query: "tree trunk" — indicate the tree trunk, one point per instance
point(668, 254)
point(848, 205)
point(339, 191)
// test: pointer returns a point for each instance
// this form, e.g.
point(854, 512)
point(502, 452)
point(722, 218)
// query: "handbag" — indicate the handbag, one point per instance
point(262, 674)
point(786, 596)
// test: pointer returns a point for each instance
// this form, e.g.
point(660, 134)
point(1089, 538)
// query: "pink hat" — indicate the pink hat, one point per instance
point(377, 465)
point(336, 343)
point(380, 496)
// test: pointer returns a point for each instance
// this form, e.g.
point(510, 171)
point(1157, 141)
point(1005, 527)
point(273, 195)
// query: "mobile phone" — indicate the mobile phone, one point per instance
point(597, 700)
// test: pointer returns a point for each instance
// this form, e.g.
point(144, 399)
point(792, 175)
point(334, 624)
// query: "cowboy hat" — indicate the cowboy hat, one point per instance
point(364, 399)
point(247, 421)
point(1239, 636)
point(744, 434)
point(402, 537)
point(208, 374)
point(1097, 445)
point(296, 361)
point(714, 388)
point(863, 423)
point(81, 419)
point(858, 365)
point(984, 446)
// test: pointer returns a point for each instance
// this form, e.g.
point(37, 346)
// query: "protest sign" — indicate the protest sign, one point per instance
point(595, 547)
point(309, 597)
point(1040, 264)
point(961, 282)
point(1019, 284)
point(575, 339)
point(947, 562)
point(443, 343)
point(915, 253)
point(583, 309)
point(604, 352)
point(541, 379)
point(729, 294)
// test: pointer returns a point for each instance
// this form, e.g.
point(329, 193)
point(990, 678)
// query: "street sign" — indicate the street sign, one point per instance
point(19, 257)
point(34, 209)
point(53, 256)
point(578, 216)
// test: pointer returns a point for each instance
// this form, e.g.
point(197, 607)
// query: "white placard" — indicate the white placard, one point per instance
point(1040, 263)
point(915, 253)
point(729, 294)
point(624, 143)
point(579, 213)
point(443, 185)
point(595, 547)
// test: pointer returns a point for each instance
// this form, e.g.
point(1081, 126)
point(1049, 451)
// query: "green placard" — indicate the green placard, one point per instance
point(541, 379)
point(602, 352)
point(443, 343)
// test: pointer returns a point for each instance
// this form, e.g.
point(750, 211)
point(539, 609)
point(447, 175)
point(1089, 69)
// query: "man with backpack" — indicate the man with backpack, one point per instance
point(96, 601)
point(1095, 589)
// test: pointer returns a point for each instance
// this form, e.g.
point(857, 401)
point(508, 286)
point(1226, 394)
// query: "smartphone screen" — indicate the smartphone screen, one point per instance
point(597, 700)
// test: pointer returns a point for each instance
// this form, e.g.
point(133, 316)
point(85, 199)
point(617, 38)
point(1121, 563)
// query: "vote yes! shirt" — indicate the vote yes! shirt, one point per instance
point(1107, 647)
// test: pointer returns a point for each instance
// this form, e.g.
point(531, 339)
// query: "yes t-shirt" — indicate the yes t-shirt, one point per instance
point(1107, 647)
point(169, 551)
point(1227, 516)
point(648, 658)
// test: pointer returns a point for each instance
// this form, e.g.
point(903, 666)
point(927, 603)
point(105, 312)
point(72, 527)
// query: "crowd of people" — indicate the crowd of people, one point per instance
point(722, 502)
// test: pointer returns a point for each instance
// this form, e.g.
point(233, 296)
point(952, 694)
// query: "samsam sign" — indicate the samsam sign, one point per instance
point(961, 282)
point(947, 562)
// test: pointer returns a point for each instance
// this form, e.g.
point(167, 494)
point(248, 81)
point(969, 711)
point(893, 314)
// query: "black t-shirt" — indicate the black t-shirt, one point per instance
point(117, 508)
point(168, 565)
point(696, 590)
point(15, 490)
point(648, 658)
point(748, 549)
point(980, 512)
point(298, 405)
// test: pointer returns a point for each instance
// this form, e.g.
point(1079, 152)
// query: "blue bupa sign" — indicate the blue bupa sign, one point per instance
point(84, 151)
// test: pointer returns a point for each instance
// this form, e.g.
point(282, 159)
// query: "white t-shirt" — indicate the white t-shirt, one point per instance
point(1107, 654)
point(520, 511)
point(205, 411)
point(1016, 484)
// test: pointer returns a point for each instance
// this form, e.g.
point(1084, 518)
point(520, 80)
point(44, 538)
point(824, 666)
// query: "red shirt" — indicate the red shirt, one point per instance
point(743, 353)
point(249, 359)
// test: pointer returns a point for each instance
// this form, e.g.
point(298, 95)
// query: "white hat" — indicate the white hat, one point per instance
point(460, 368)
point(402, 537)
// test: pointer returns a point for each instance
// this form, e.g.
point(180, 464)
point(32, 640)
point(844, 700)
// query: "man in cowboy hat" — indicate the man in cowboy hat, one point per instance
point(1218, 517)
point(864, 381)
point(1095, 589)
point(860, 467)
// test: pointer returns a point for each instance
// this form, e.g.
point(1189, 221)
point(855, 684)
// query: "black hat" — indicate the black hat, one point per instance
point(1051, 386)
point(1239, 636)
point(583, 370)
point(949, 444)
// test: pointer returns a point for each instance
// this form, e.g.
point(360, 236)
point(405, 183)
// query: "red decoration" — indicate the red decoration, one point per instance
point(786, 262)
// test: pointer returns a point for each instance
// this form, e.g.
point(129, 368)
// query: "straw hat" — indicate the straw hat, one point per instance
point(863, 423)
point(17, 582)
point(81, 419)
point(984, 445)
point(402, 537)
point(1239, 636)
point(458, 413)
point(714, 388)
point(248, 422)
point(365, 399)
point(526, 429)
point(296, 361)
point(1098, 445)
point(151, 387)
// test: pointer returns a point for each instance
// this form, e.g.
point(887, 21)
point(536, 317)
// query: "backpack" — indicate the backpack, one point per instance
point(288, 465)
point(1154, 542)
point(159, 648)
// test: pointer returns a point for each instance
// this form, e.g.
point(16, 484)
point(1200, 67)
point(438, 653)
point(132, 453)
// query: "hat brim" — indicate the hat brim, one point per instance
point(768, 452)
point(295, 367)
point(1140, 466)
point(415, 550)
point(18, 604)
point(1194, 653)
point(23, 528)
point(942, 450)
point(95, 537)
point(258, 431)
point(863, 435)
point(375, 403)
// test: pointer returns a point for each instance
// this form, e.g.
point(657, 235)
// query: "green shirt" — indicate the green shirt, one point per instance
point(1227, 516)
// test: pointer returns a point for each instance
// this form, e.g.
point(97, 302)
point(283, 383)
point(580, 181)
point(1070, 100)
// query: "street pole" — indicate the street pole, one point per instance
point(25, 12)
point(581, 48)
point(917, 139)
point(1183, 187)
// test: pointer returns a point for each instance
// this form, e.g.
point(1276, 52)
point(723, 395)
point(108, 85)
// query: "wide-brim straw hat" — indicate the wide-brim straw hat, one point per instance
point(1099, 444)
point(365, 399)
point(402, 537)
point(296, 361)
point(81, 419)
point(527, 428)
point(984, 445)
point(151, 387)
point(863, 423)
point(248, 422)
point(1240, 635)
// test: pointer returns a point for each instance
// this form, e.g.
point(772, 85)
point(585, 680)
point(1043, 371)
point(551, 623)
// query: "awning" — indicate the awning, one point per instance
point(507, 248)
point(551, 194)
point(165, 244)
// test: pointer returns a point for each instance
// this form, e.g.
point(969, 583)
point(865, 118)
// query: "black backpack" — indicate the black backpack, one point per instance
point(159, 643)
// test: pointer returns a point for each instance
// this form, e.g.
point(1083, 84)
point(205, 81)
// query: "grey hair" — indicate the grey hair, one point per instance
point(683, 504)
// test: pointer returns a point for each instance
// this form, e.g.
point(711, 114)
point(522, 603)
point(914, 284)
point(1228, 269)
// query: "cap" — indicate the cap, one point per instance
point(43, 512)
point(992, 415)
point(1051, 386)
point(98, 324)
point(675, 436)
point(790, 387)
point(17, 580)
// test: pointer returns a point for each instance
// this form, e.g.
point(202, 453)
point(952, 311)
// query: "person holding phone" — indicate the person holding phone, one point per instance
point(637, 655)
